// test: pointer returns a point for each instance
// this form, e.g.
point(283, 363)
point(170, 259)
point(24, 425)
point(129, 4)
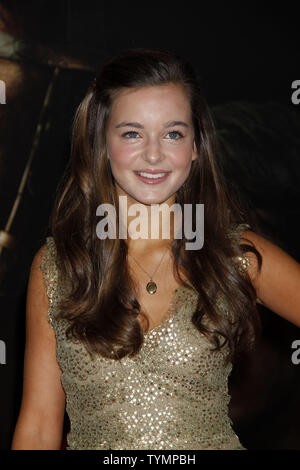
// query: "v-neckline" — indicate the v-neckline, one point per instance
point(171, 309)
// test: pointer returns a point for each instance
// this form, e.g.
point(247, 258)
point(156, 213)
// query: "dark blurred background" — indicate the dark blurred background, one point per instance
point(247, 57)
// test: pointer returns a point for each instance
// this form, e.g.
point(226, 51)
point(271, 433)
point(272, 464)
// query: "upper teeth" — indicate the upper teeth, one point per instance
point(150, 175)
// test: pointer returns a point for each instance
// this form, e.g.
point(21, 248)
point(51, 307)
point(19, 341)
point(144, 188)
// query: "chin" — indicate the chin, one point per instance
point(155, 200)
point(138, 198)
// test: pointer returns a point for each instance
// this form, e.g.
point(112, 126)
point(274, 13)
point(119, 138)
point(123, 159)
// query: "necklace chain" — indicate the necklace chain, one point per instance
point(151, 277)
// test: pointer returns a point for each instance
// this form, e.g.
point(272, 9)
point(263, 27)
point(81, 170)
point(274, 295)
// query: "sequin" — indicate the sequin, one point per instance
point(243, 263)
point(172, 395)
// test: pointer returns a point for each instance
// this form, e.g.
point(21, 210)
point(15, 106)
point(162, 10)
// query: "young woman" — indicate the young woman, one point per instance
point(136, 336)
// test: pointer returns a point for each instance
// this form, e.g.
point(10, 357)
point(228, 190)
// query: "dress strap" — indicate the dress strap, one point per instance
point(49, 269)
point(242, 262)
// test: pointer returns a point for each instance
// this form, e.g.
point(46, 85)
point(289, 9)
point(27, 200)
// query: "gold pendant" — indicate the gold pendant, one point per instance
point(151, 287)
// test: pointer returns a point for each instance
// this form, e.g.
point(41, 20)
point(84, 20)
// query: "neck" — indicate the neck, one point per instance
point(148, 226)
point(140, 246)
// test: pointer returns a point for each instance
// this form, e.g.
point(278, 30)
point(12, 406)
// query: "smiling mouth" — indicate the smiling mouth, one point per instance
point(152, 178)
point(155, 174)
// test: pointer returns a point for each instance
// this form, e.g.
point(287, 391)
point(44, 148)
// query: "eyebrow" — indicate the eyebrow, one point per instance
point(139, 126)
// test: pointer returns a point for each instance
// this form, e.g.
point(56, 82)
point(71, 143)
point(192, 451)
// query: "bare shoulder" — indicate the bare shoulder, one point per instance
point(277, 283)
point(37, 303)
point(269, 251)
point(37, 259)
point(271, 255)
point(36, 292)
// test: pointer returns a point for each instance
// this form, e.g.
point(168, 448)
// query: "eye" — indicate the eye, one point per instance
point(175, 135)
point(130, 135)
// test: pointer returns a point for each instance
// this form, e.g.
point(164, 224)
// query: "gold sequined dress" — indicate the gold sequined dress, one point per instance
point(172, 395)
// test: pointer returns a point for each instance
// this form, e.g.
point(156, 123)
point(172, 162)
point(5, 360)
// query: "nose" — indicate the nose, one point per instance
point(153, 151)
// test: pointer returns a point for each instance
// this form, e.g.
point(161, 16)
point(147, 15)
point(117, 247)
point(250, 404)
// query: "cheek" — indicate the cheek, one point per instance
point(120, 155)
point(182, 158)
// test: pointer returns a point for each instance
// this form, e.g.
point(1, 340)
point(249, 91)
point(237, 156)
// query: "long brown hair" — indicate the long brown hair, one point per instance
point(101, 305)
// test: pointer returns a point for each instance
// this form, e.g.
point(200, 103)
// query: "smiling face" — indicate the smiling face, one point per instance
point(150, 130)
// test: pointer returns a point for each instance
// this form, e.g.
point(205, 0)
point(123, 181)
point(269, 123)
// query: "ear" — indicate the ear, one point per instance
point(195, 153)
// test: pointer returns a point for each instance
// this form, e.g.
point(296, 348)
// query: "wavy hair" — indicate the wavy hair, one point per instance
point(102, 306)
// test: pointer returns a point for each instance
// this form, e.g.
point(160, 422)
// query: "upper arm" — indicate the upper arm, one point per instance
point(43, 401)
point(277, 284)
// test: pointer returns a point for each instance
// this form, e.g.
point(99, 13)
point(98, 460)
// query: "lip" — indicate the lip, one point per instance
point(150, 181)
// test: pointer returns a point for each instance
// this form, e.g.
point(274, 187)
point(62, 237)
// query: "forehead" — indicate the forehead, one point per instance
point(160, 102)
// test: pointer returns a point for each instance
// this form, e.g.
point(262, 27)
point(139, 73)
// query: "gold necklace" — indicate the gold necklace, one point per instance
point(151, 286)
